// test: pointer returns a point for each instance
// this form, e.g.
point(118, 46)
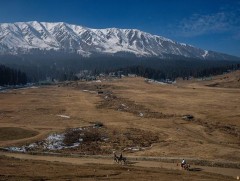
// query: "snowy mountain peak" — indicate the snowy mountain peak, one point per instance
point(23, 37)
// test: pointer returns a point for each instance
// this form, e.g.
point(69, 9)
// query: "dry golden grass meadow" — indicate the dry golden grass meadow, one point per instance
point(196, 120)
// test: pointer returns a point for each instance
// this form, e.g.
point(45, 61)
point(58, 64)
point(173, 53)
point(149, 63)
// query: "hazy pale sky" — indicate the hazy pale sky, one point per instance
point(212, 24)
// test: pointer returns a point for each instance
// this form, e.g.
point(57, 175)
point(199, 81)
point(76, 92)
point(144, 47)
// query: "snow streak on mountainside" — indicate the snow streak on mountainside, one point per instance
point(25, 37)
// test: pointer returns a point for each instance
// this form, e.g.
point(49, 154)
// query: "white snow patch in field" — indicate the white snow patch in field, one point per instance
point(33, 145)
point(136, 148)
point(164, 82)
point(34, 87)
point(63, 116)
point(53, 142)
point(17, 149)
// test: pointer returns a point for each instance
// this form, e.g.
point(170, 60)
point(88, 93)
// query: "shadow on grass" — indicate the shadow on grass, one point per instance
point(131, 162)
point(195, 169)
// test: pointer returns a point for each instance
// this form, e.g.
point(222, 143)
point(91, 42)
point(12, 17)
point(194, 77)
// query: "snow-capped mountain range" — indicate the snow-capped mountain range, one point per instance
point(24, 37)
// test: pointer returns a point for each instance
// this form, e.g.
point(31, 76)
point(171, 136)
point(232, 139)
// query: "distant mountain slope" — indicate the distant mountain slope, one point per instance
point(28, 37)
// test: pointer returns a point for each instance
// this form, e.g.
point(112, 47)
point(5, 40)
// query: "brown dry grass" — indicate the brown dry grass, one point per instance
point(230, 80)
point(214, 107)
point(103, 141)
point(15, 133)
point(216, 110)
point(16, 169)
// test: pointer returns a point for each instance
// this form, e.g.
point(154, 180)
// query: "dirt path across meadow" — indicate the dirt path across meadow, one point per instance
point(232, 172)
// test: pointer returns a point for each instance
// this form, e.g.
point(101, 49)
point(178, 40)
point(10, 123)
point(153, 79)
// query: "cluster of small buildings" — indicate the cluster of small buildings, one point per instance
point(89, 75)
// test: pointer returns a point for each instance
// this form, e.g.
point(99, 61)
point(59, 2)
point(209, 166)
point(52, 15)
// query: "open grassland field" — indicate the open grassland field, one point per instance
point(21, 169)
point(46, 170)
point(196, 120)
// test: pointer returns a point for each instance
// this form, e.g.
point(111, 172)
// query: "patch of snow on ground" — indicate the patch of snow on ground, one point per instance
point(53, 142)
point(17, 149)
point(63, 116)
point(137, 148)
point(165, 82)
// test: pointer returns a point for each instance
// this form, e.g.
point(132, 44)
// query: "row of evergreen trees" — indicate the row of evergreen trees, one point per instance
point(10, 76)
point(171, 73)
point(65, 68)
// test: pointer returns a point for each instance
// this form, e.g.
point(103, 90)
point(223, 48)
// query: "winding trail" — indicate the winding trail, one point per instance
point(232, 172)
